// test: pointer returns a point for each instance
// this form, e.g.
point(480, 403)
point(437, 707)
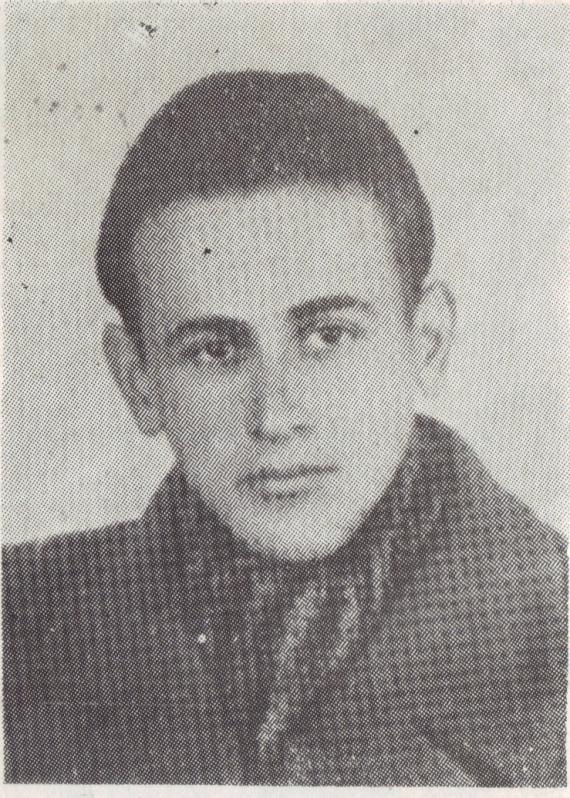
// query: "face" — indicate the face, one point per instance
point(279, 361)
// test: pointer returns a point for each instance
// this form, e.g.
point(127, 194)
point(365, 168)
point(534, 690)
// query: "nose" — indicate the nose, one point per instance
point(277, 413)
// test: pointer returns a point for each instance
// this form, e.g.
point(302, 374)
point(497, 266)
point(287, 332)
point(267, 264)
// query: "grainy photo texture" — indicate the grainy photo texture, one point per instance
point(317, 256)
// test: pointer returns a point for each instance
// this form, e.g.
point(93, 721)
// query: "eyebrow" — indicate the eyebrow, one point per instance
point(327, 303)
point(237, 328)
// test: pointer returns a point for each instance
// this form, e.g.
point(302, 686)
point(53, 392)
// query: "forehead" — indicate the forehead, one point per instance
point(265, 252)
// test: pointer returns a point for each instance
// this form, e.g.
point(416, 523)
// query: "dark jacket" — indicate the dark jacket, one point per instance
point(430, 649)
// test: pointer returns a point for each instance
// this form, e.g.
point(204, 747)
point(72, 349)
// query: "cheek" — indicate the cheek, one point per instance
point(375, 383)
point(202, 417)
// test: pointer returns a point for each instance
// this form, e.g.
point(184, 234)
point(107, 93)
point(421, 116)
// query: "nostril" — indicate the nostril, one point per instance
point(271, 436)
point(272, 426)
point(301, 429)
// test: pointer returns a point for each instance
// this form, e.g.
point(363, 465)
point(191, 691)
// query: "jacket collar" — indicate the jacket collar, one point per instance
point(340, 601)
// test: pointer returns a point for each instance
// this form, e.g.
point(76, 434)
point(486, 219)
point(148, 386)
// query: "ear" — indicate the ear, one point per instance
point(433, 328)
point(132, 378)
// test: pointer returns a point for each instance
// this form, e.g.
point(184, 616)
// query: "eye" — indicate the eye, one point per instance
point(327, 338)
point(215, 352)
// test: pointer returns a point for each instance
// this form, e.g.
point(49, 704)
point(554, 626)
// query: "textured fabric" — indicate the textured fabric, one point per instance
point(431, 649)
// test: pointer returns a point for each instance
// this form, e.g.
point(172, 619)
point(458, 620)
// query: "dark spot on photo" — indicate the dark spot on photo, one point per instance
point(54, 106)
point(150, 29)
point(416, 132)
point(207, 251)
point(62, 67)
point(24, 285)
point(10, 240)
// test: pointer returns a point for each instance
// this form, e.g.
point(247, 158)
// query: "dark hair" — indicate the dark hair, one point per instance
point(245, 131)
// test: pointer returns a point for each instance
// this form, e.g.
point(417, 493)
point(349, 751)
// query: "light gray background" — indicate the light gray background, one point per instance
point(486, 89)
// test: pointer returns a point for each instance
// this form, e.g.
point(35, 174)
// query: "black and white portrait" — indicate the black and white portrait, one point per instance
point(285, 417)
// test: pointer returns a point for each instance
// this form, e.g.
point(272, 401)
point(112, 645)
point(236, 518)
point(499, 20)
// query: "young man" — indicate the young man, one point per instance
point(327, 588)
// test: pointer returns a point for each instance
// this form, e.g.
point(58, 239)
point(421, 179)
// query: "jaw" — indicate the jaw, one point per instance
point(299, 528)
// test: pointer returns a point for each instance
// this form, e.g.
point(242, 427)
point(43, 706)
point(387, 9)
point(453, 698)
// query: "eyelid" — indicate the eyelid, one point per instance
point(204, 337)
point(332, 316)
point(349, 325)
point(208, 329)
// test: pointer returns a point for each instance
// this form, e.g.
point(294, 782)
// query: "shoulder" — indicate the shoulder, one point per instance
point(63, 560)
point(72, 595)
point(492, 578)
point(480, 517)
point(484, 617)
point(65, 581)
point(92, 566)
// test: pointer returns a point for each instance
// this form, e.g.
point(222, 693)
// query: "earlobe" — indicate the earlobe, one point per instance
point(132, 378)
point(434, 325)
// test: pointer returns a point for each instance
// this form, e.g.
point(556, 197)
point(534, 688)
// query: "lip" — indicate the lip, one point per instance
point(288, 482)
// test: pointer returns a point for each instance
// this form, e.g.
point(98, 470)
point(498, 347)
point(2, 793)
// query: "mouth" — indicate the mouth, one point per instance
point(286, 484)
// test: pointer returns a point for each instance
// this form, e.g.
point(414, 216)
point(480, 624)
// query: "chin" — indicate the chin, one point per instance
point(275, 542)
